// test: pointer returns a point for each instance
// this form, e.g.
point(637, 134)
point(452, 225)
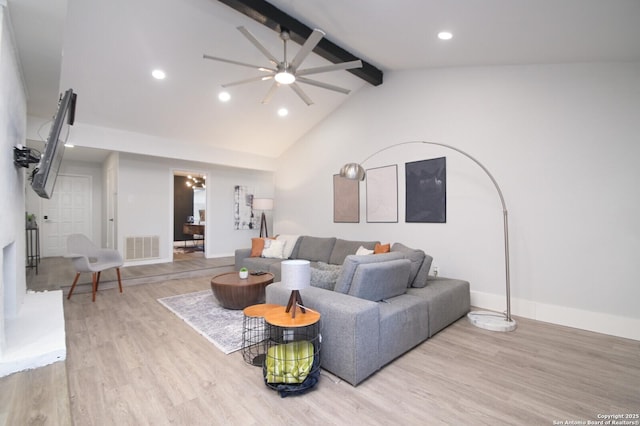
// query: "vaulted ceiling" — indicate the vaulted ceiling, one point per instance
point(106, 51)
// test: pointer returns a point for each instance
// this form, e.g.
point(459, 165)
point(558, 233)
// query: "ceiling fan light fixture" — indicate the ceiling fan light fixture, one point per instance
point(286, 72)
point(285, 77)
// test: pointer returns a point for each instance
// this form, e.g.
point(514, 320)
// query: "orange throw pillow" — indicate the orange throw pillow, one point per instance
point(257, 245)
point(382, 248)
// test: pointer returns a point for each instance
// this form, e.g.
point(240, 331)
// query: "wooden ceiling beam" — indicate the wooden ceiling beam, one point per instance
point(274, 18)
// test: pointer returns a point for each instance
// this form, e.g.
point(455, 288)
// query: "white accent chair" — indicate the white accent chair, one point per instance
point(86, 257)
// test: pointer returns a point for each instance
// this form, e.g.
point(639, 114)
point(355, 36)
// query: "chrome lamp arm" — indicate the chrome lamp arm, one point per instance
point(485, 320)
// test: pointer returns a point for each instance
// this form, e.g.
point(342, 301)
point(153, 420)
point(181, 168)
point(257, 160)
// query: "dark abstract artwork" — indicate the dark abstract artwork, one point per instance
point(426, 191)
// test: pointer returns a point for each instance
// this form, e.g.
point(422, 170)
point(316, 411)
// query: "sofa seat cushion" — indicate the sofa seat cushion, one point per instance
point(315, 249)
point(380, 281)
point(259, 263)
point(344, 248)
point(404, 323)
point(448, 300)
point(352, 261)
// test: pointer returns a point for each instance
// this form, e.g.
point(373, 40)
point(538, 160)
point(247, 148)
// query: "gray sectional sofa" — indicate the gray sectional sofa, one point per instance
point(379, 307)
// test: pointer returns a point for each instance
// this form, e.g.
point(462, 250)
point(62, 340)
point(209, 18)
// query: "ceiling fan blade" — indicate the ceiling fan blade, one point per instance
point(307, 47)
point(307, 100)
point(230, 61)
point(248, 80)
point(333, 67)
point(259, 45)
point(323, 85)
point(271, 92)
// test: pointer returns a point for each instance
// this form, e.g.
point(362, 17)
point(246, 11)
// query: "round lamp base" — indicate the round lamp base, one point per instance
point(492, 321)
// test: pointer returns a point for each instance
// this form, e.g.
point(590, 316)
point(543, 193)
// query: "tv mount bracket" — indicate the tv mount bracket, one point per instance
point(22, 157)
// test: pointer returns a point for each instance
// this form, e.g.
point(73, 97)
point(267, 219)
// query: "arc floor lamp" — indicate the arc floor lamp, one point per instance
point(484, 319)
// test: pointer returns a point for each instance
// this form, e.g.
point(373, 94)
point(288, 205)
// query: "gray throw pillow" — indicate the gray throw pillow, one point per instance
point(324, 278)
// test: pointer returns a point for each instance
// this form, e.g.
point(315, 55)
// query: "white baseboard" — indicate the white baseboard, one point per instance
point(598, 322)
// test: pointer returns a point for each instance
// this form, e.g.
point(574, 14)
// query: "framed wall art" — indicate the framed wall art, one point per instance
point(243, 217)
point(346, 200)
point(382, 194)
point(426, 191)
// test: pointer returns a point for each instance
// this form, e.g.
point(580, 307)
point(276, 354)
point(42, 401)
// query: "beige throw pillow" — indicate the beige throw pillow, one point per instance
point(273, 249)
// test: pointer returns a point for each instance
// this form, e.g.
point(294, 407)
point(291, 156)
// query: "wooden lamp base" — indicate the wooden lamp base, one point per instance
point(294, 300)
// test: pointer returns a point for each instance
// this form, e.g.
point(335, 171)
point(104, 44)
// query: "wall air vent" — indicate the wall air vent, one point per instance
point(142, 247)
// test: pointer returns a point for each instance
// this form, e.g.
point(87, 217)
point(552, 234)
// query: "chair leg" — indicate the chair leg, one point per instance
point(75, 281)
point(94, 277)
point(98, 280)
point(119, 280)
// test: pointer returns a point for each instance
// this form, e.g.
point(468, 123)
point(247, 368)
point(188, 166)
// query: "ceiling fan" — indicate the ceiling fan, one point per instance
point(287, 72)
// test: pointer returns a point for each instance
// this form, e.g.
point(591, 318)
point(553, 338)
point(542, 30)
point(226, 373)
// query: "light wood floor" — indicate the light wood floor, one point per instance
point(132, 362)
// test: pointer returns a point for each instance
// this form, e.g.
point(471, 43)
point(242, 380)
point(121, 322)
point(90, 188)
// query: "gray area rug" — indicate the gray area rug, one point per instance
point(222, 327)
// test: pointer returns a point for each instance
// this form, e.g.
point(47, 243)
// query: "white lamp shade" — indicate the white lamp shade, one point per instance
point(296, 274)
point(263, 204)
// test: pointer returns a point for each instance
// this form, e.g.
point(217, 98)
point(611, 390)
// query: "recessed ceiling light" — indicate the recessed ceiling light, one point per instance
point(283, 112)
point(69, 145)
point(158, 74)
point(445, 35)
point(224, 96)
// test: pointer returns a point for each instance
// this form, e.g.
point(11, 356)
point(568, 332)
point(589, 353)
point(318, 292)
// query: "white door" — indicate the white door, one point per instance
point(112, 198)
point(67, 212)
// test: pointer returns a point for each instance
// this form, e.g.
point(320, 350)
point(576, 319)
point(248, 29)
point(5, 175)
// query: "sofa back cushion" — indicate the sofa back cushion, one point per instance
point(314, 249)
point(380, 281)
point(423, 272)
point(352, 261)
point(344, 248)
point(420, 264)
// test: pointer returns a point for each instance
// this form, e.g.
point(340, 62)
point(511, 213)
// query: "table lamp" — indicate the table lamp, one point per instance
point(296, 275)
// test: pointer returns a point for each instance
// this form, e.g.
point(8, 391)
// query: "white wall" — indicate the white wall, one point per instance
point(561, 140)
point(145, 201)
point(12, 131)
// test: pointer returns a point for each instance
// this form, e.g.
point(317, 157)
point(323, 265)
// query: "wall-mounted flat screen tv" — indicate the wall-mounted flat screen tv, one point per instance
point(45, 174)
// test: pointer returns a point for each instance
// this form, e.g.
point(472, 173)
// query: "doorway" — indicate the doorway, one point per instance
point(189, 214)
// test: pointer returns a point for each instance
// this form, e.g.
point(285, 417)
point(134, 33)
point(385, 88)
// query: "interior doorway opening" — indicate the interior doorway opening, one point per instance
point(189, 214)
